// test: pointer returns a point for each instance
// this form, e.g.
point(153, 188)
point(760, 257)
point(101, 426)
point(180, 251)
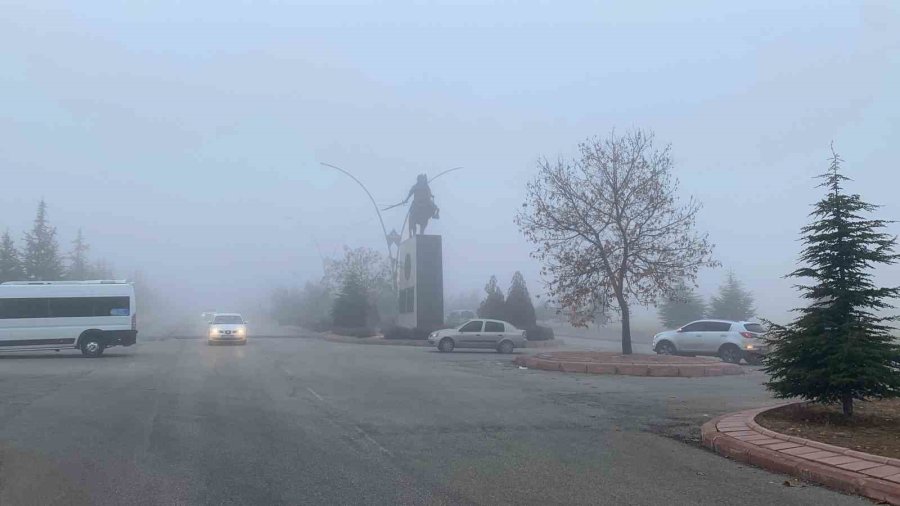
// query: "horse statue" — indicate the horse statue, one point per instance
point(423, 208)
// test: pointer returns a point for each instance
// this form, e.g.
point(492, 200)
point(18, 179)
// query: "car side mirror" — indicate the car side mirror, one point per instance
point(680, 330)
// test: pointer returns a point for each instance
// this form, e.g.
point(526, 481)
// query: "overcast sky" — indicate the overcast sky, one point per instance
point(185, 137)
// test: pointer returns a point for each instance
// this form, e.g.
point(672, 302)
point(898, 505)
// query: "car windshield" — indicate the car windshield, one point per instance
point(228, 319)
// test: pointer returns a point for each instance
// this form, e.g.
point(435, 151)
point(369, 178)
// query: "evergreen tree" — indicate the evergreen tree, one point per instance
point(41, 259)
point(519, 308)
point(101, 269)
point(838, 349)
point(684, 306)
point(351, 307)
point(493, 306)
point(733, 302)
point(79, 268)
point(10, 263)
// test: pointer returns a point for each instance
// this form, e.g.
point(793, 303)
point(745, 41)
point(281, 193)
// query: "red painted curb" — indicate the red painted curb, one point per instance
point(660, 370)
point(739, 445)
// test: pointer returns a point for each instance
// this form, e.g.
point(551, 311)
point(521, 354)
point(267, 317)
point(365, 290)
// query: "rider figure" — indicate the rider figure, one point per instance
point(423, 207)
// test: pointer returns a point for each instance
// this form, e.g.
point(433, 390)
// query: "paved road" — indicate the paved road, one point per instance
point(304, 421)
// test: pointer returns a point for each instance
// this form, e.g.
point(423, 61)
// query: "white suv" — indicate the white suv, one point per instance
point(730, 340)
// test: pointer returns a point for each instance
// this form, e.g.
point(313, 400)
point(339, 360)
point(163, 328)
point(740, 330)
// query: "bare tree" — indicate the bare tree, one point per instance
point(610, 230)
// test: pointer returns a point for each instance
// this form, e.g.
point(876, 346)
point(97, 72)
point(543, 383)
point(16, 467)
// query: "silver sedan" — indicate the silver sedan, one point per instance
point(480, 333)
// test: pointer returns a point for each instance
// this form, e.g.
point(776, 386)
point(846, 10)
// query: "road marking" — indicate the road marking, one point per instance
point(314, 393)
point(372, 440)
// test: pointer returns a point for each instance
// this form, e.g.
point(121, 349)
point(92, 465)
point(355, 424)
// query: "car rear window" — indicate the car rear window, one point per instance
point(493, 327)
point(754, 327)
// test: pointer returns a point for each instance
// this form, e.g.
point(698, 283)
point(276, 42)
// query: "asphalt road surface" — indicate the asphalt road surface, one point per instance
point(305, 421)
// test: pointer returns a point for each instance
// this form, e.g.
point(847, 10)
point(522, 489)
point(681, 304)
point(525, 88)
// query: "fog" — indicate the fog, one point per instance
point(186, 138)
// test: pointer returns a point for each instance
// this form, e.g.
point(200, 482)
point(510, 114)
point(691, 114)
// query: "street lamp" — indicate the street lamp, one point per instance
point(387, 237)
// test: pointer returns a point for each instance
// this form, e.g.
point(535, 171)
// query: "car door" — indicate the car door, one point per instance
point(494, 332)
point(690, 337)
point(470, 334)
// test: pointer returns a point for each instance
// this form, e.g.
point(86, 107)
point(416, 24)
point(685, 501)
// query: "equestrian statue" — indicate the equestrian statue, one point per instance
point(423, 207)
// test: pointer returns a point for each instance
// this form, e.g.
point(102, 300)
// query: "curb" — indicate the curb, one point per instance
point(376, 341)
point(737, 436)
point(630, 369)
point(549, 343)
point(381, 341)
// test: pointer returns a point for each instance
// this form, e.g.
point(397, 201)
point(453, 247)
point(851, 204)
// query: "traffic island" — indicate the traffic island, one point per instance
point(739, 437)
point(596, 362)
point(381, 340)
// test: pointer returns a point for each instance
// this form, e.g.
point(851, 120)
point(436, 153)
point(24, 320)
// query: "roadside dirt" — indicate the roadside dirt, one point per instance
point(874, 427)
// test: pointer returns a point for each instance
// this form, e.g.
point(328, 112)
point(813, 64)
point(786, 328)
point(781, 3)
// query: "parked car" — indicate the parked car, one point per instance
point(227, 328)
point(459, 316)
point(480, 333)
point(730, 340)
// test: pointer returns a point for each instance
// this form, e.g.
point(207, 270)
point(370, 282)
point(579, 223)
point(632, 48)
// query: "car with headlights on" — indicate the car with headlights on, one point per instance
point(479, 333)
point(227, 328)
point(730, 340)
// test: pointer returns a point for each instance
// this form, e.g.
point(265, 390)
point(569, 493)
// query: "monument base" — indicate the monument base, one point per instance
point(420, 283)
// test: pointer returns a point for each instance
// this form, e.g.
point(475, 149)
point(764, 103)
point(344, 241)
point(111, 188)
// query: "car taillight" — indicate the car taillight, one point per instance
point(134, 321)
point(748, 335)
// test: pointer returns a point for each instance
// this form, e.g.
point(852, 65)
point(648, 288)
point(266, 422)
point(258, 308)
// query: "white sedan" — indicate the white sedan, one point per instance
point(480, 333)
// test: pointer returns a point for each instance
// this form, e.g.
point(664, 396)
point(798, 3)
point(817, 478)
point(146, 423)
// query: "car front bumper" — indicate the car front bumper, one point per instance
point(227, 339)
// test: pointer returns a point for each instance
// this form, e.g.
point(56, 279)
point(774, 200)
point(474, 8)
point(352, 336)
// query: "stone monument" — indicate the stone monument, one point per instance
point(420, 273)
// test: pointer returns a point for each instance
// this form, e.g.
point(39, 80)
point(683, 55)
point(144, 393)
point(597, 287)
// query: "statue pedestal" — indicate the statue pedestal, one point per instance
point(420, 283)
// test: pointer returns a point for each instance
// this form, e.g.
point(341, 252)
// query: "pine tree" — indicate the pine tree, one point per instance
point(10, 263)
point(493, 306)
point(101, 269)
point(684, 306)
point(519, 308)
point(41, 257)
point(79, 268)
point(351, 307)
point(838, 349)
point(733, 302)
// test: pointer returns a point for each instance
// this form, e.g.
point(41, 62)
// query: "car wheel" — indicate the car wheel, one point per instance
point(730, 353)
point(91, 347)
point(446, 345)
point(665, 348)
point(506, 347)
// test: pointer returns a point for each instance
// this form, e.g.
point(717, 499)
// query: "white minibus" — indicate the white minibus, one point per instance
point(52, 315)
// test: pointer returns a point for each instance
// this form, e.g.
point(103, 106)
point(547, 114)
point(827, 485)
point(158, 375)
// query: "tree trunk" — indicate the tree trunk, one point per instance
point(847, 405)
point(626, 326)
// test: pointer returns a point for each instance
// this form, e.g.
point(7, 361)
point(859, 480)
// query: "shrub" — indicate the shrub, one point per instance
point(539, 333)
point(354, 331)
point(397, 332)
